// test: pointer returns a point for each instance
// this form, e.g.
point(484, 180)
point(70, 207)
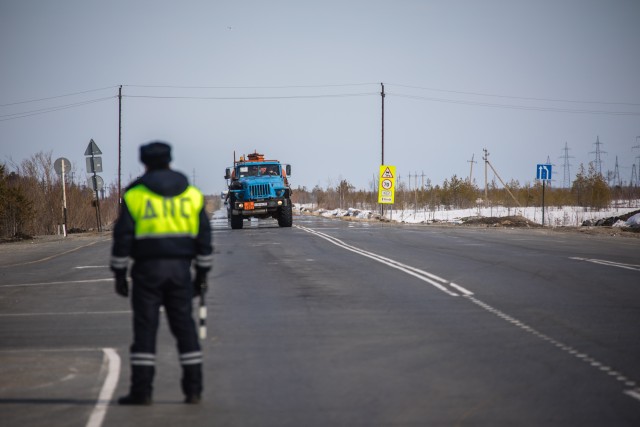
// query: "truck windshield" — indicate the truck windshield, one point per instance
point(258, 170)
point(244, 171)
point(271, 170)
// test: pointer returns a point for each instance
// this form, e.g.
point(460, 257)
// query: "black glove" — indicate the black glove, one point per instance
point(200, 283)
point(122, 284)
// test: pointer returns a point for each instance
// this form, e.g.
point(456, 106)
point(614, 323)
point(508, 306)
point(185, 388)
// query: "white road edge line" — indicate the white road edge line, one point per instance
point(70, 282)
point(460, 288)
point(80, 267)
point(109, 386)
point(633, 267)
point(425, 276)
point(68, 313)
point(633, 393)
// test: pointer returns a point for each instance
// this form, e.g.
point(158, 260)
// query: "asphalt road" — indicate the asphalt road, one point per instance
point(340, 323)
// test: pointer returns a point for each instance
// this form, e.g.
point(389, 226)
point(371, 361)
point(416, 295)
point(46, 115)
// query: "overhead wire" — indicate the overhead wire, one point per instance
point(254, 87)
point(22, 114)
point(342, 95)
point(469, 102)
point(517, 107)
point(515, 97)
point(57, 96)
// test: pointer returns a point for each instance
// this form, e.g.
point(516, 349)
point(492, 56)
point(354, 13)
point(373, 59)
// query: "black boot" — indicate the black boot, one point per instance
point(192, 399)
point(141, 386)
point(135, 399)
point(192, 383)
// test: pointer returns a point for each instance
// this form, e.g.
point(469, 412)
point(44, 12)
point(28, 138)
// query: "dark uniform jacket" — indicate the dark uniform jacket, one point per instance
point(167, 183)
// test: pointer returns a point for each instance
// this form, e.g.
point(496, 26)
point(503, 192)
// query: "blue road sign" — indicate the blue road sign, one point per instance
point(543, 172)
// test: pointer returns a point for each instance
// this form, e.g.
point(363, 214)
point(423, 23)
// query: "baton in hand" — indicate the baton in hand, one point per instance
point(202, 314)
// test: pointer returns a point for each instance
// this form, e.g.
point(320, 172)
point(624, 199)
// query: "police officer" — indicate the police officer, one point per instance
point(163, 226)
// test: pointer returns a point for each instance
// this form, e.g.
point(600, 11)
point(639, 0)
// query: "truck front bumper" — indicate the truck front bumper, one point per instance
point(261, 207)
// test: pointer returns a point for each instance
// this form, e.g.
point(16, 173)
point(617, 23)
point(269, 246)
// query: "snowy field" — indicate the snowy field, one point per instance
point(568, 216)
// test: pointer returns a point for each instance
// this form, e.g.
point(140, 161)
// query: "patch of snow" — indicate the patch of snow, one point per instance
point(567, 216)
point(634, 220)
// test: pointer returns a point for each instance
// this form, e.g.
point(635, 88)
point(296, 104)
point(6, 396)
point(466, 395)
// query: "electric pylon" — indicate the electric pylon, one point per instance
point(598, 153)
point(566, 166)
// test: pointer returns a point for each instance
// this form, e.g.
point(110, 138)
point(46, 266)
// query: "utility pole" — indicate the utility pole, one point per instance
point(119, 142)
point(486, 161)
point(503, 184)
point(382, 141)
point(382, 96)
point(471, 169)
point(637, 182)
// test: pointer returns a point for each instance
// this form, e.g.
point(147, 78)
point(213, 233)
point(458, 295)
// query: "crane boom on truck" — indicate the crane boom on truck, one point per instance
point(258, 188)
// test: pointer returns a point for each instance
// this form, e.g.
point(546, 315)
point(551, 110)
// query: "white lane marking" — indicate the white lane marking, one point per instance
point(635, 392)
point(109, 386)
point(68, 282)
point(80, 267)
point(54, 256)
point(52, 350)
point(634, 267)
point(460, 288)
point(72, 313)
point(425, 276)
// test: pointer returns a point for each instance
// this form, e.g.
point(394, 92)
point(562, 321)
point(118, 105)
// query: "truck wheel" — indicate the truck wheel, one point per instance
point(236, 222)
point(285, 216)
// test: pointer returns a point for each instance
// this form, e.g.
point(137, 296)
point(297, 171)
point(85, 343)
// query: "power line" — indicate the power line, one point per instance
point(343, 95)
point(339, 95)
point(251, 87)
point(57, 96)
point(518, 97)
point(519, 107)
point(23, 114)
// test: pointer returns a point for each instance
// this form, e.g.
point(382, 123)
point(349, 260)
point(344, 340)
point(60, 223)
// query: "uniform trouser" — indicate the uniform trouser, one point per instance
point(163, 282)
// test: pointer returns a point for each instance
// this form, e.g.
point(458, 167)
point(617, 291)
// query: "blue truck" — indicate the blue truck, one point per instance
point(258, 188)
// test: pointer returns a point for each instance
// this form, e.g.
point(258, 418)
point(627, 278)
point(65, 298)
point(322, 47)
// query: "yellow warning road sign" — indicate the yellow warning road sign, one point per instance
point(387, 187)
point(387, 171)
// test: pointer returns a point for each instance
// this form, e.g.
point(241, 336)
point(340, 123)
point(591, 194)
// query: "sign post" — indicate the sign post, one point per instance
point(94, 164)
point(61, 166)
point(543, 173)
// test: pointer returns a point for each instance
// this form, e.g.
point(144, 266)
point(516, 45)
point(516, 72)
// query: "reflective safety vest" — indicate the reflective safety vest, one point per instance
point(157, 216)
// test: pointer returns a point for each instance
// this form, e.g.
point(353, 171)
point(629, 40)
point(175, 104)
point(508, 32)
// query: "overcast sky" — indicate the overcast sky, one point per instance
point(300, 82)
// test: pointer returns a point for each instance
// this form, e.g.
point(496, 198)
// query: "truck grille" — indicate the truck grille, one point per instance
point(257, 191)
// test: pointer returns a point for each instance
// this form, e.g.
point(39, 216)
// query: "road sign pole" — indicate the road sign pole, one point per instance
point(543, 181)
point(95, 189)
point(64, 202)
